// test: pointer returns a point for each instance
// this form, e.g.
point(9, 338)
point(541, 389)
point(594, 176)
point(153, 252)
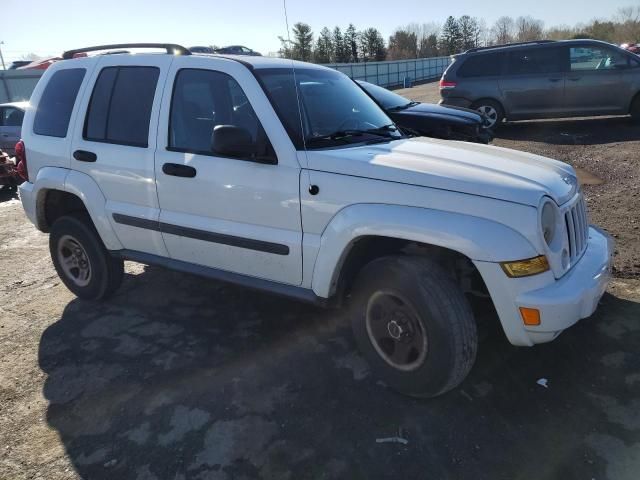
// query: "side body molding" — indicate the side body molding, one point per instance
point(474, 237)
point(85, 188)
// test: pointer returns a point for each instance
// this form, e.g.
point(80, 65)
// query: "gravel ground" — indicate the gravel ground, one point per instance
point(178, 378)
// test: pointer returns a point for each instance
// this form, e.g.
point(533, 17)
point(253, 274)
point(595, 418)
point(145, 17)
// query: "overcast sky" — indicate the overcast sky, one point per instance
point(47, 27)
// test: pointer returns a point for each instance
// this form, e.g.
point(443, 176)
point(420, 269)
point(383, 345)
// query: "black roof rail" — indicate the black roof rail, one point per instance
point(488, 47)
point(171, 48)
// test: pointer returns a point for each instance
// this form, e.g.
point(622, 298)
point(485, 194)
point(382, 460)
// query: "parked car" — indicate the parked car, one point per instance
point(544, 79)
point(201, 50)
point(631, 47)
point(237, 50)
point(9, 176)
point(124, 158)
point(430, 120)
point(18, 63)
point(41, 64)
point(11, 115)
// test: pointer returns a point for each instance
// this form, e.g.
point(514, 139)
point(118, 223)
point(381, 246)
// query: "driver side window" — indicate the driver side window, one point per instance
point(204, 99)
point(595, 58)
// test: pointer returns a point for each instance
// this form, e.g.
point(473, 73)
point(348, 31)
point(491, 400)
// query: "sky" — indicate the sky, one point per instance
point(48, 27)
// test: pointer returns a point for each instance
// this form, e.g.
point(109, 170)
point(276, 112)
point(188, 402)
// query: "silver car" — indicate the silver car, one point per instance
point(544, 79)
point(11, 115)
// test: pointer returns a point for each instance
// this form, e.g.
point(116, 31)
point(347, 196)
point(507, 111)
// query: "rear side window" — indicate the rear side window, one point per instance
point(56, 104)
point(120, 107)
point(485, 65)
point(537, 60)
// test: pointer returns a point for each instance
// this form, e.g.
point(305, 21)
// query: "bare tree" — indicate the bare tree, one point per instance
point(502, 31)
point(528, 29)
point(628, 28)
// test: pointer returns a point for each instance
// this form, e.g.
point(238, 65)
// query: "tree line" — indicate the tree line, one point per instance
point(455, 35)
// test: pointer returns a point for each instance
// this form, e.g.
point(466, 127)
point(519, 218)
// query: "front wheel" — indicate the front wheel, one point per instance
point(83, 263)
point(414, 325)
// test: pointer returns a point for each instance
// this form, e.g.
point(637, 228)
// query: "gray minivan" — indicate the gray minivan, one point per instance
point(544, 79)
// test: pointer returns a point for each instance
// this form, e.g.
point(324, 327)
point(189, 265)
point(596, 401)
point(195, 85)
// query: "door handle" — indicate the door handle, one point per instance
point(178, 170)
point(84, 156)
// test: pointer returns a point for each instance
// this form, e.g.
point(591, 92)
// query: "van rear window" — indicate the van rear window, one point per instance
point(56, 104)
point(484, 65)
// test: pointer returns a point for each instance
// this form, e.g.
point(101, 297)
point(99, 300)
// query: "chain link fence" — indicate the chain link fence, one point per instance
point(395, 73)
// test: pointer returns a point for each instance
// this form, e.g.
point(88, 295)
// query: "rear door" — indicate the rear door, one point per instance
point(115, 141)
point(10, 126)
point(534, 82)
point(596, 82)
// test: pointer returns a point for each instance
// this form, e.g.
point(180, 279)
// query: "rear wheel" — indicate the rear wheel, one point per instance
point(81, 260)
point(414, 325)
point(492, 110)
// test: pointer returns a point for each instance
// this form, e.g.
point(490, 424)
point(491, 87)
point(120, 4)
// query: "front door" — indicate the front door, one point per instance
point(534, 81)
point(596, 83)
point(10, 127)
point(237, 213)
point(116, 142)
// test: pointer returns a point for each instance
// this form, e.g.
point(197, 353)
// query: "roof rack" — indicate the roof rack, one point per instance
point(533, 42)
point(171, 48)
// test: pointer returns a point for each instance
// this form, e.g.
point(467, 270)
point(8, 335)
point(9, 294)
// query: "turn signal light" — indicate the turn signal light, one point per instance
point(530, 316)
point(524, 268)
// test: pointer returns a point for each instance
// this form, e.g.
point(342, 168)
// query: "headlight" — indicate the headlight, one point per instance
point(549, 222)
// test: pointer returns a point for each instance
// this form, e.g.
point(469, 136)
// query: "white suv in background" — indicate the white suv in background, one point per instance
point(236, 169)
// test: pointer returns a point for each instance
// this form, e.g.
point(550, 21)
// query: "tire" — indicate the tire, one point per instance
point(416, 295)
point(492, 109)
point(90, 272)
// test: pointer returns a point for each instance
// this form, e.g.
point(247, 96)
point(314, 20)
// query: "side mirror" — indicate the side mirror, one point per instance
point(232, 141)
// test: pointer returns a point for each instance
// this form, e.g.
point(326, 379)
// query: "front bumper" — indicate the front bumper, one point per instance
point(561, 302)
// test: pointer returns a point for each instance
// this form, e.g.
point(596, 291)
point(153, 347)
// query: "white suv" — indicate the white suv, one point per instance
point(286, 177)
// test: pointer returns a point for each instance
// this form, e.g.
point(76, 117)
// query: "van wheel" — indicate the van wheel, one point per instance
point(83, 263)
point(414, 325)
point(491, 110)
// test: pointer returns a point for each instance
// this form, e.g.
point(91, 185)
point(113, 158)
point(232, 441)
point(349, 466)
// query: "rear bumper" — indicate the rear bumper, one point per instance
point(455, 102)
point(27, 197)
point(561, 302)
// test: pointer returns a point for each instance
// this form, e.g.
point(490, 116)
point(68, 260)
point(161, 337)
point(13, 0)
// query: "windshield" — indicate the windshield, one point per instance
point(384, 97)
point(334, 110)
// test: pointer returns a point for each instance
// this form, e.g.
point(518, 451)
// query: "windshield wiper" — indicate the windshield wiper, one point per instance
point(403, 107)
point(384, 131)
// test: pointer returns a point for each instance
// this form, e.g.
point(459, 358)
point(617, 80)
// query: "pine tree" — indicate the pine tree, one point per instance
point(351, 43)
point(302, 48)
point(372, 46)
point(340, 51)
point(450, 37)
point(324, 51)
point(469, 31)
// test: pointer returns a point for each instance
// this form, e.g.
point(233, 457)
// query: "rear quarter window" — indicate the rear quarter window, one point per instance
point(56, 103)
point(485, 65)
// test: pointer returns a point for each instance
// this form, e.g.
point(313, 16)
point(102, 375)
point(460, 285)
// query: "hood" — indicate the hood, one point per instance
point(464, 114)
point(471, 168)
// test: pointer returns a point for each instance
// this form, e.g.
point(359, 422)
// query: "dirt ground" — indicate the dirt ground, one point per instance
point(181, 378)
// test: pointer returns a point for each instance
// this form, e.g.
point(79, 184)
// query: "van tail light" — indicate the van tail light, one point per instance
point(21, 158)
point(444, 85)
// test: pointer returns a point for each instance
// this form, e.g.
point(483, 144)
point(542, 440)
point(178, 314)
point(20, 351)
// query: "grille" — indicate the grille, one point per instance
point(577, 228)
